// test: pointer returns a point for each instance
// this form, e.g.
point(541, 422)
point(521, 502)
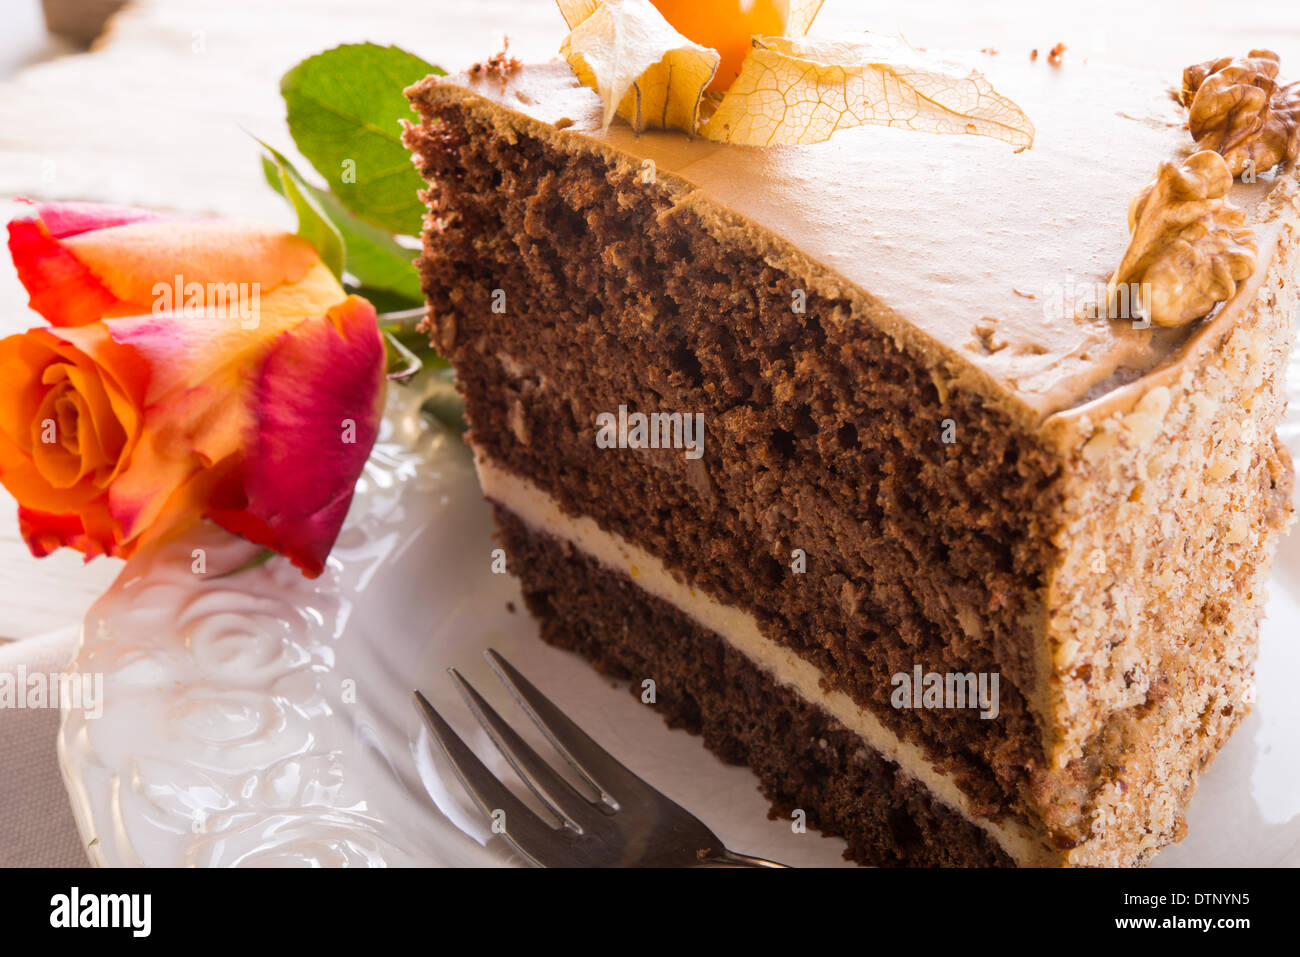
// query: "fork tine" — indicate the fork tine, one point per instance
point(527, 833)
point(553, 790)
point(596, 765)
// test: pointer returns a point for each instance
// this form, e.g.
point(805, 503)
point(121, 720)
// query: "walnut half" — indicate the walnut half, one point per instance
point(1188, 242)
point(1237, 109)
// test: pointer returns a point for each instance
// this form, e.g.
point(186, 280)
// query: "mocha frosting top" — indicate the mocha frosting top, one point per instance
point(956, 244)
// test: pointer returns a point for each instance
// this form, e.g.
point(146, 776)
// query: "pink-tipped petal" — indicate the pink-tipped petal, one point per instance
point(60, 287)
point(317, 402)
point(71, 219)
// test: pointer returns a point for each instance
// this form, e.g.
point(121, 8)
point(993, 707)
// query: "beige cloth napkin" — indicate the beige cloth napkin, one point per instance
point(36, 824)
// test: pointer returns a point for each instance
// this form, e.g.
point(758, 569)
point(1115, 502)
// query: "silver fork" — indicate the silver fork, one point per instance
point(630, 825)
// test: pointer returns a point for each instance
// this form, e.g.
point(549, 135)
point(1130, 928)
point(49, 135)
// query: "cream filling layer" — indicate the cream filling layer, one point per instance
point(741, 630)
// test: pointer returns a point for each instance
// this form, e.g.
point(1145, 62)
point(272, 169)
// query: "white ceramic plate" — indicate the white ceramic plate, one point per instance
point(263, 719)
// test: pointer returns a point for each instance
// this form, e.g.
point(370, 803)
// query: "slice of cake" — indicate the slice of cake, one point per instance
point(826, 443)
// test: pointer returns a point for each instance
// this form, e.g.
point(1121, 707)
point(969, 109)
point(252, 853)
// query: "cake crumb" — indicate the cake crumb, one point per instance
point(1033, 54)
point(1023, 294)
point(500, 65)
point(1055, 55)
point(986, 334)
point(991, 51)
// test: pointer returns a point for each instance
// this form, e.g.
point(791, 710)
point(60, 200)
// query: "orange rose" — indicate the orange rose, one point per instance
point(192, 368)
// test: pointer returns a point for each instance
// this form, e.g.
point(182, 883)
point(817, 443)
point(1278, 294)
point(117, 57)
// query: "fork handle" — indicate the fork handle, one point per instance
point(728, 858)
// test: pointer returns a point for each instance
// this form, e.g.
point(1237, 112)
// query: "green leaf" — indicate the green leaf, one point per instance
point(370, 255)
point(403, 364)
point(384, 300)
point(408, 352)
point(344, 111)
point(313, 223)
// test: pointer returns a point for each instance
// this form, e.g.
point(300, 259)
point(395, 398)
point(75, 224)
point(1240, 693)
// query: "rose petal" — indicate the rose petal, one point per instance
point(142, 264)
point(45, 532)
point(70, 219)
point(101, 436)
point(80, 261)
point(62, 288)
point(52, 459)
point(90, 530)
point(198, 406)
point(318, 400)
point(203, 429)
point(59, 285)
point(183, 350)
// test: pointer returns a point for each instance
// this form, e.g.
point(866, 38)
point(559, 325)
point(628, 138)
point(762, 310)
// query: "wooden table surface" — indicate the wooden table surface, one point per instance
point(156, 116)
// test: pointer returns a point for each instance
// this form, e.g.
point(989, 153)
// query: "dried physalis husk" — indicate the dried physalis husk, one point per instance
point(788, 88)
point(1188, 242)
point(643, 69)
point(1237, 109)
point(804, 89)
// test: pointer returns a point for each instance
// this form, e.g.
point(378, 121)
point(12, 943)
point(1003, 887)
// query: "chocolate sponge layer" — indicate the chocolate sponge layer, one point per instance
point(804, 759)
